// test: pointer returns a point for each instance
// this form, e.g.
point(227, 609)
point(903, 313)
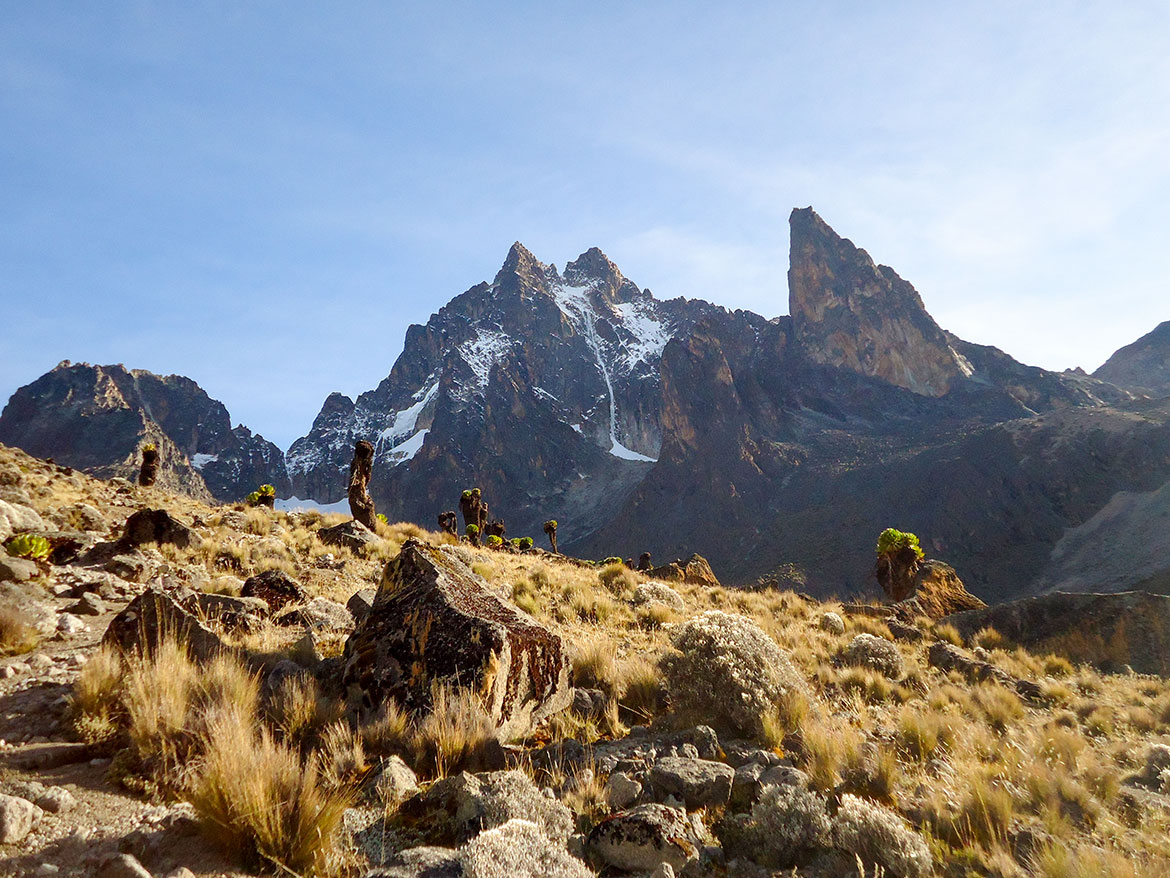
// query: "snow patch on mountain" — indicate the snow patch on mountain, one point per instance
point(201, 460)
point(649, 334)
point(483, 351)
point(405, 422)
point(404, 451)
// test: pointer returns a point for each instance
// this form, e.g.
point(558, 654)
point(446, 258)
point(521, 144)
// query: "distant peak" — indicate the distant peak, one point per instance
point(518, 257)
point(594, 268)
point(523, 266)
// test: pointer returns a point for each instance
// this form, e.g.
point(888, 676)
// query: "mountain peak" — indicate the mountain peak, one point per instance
point(854, 314)
point(1143, 364)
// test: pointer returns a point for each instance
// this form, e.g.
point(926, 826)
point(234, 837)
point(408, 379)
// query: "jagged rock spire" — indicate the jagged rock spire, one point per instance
point(851, 313)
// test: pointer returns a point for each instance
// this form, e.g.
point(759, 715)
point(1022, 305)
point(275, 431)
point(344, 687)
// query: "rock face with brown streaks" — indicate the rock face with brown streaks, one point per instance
point(694, 569)
point(937, 592)
point(853, 314)
point(434, 621)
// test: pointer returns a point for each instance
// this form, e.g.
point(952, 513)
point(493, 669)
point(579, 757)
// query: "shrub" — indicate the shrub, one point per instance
point(267, 491)
point(525, 543)
point(595, 666)
point(879, 836)
point(28, 546)
point(454, 735)
point(518, 849)
point(472, 530)
point(617, 577)
point(727, 671)
point(18, 634)
point(642, 690)
point(892, 540)
point(875, 653)
point(493, 541)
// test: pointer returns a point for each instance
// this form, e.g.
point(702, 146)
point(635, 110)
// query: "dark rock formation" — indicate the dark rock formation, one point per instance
point(351, 535)
point(156, 615)
point(1143, 365)
point(96, 418)
point(360, 470)
point(274, 588)
point(434, 622)
point(157, 526)
point(1109, 630)
point(449, 523)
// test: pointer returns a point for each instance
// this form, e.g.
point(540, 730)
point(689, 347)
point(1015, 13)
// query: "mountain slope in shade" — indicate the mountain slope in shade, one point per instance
point(1143, 365)
point(96, 418)
point(542, 388)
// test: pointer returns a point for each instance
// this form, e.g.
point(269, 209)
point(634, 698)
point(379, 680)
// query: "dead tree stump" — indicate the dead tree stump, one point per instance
point(361, 505)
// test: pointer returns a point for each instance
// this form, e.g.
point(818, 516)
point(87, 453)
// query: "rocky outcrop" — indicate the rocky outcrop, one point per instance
point(643, 837)
point(97, 418)
point(1109, 630)
point(156, 615)
point(694, 570)
point(937, 592)
point(852, 314)
point(1143, 365)
point(434, 621)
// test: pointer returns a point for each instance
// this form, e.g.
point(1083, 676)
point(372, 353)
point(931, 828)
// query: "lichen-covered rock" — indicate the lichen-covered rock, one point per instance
point(621, 790)
point(274, 588)
point(728, 671)
point(396, 781)
point(432, 621)
point(156, 614)
point(18, 518)
point(421, 862)
point(16, 569)
point(157, 526)
point(875, 653)
point(880, 837)
point(658, 593)
point(699, 783)
point(319, 614)
point(833, 623)
point(643, 837)
point(519, 849)
point(457, 808)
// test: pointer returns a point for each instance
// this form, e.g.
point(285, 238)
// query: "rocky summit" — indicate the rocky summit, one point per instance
point(97, 418)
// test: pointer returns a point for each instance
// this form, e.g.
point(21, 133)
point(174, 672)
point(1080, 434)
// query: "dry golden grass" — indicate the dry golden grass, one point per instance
point(454, 735)
point(18, 633)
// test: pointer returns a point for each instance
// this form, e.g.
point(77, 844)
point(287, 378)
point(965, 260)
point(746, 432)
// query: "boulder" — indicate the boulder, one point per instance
point(132, 568)
point(434, 621)
point(699, 783)
point(694, 570)
point(621, 790)
point(122, 866)
point(17, 817)
point(1109, 630)
point(351, 535)
point(360, 603)
point(274, 588)
point(157, 526)
point(639, 839)
point(519, 849)
point(319, 614)
point(17, 518)
point(937, 592)
point(421, 862)
point(457, 808)
point(876, 653)
point(16, 569)
point(396, 781)
point(156, 614)
point(90, 604)
point(220, 606)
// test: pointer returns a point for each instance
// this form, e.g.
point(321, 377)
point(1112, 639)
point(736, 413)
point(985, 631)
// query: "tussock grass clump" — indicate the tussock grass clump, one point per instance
point(388, 733)
point(922, 734)
point(983, 815)
point(95, 706)
point(455, 735)
point(788, 716)
point(18, 634)
point(265, 804)
point(1000, 706)
point(617, 578)
point(595, 666)
point(643, 693)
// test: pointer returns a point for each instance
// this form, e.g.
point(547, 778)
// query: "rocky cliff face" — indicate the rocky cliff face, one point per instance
point(542, 388)
point(792, 443)
point(96, 418)
point(1143, 365)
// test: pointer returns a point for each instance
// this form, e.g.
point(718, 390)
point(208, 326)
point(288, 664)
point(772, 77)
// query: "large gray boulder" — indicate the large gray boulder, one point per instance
point(17, 518)
point(157, 614)
point(643, 837)
point(699, 783)
point(434, 621)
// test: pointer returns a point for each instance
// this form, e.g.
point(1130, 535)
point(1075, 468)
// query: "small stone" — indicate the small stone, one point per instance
point(122, 866)
point(17, 817)
point(7, 671)
point(48, 869)
point(181, 872)
point(396, 781)
point(70, 625)
point(16, 569)
point(55, 800)
point(88, 605)
point(621, 791)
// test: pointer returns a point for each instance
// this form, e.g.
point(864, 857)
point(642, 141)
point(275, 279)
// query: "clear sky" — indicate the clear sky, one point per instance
point(263, 195)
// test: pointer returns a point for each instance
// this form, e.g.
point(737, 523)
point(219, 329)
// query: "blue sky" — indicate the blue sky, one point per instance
point(264, 195)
